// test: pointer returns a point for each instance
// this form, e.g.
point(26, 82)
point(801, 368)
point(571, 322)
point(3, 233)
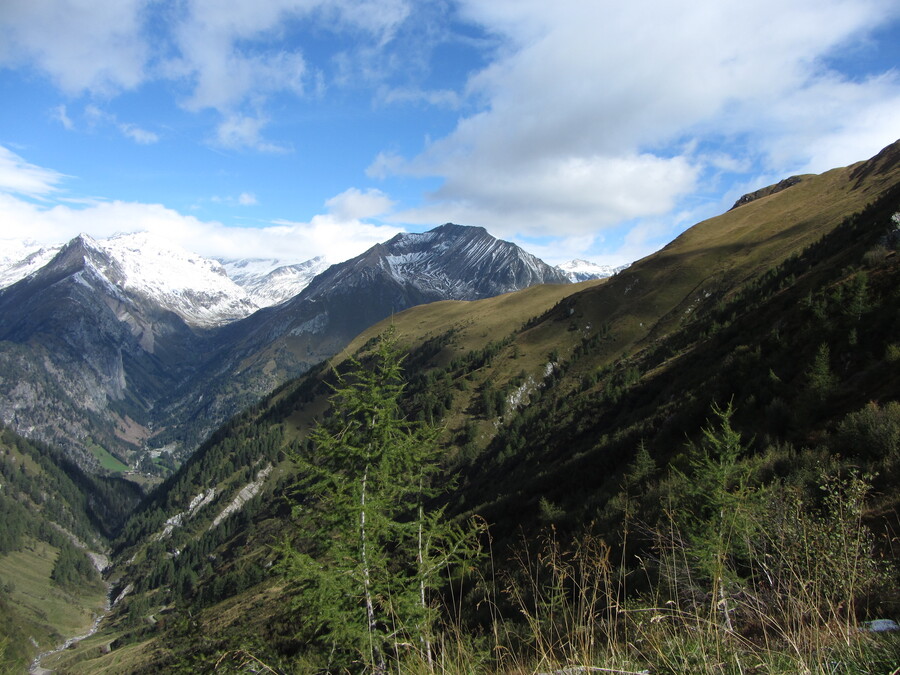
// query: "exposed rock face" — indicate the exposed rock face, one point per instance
point(766, 191)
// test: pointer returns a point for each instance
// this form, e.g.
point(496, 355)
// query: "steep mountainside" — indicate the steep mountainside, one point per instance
point(54, 540)
point(569, 405)
point(257, 354)
point(82, 360)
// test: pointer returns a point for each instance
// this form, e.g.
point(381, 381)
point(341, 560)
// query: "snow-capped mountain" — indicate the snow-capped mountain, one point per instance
point(270, 281)
point(83, 359)
point(204, 292)
point(451, 262)
point(461, 263)
point(196, 288)
point(583, 270)
point(18, 259)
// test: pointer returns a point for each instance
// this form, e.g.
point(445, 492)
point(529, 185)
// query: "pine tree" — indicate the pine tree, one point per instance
point(822, 380)
point(369, 552)
point(717, 503)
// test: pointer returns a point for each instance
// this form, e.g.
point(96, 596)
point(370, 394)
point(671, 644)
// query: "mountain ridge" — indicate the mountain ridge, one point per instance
point(137, 343)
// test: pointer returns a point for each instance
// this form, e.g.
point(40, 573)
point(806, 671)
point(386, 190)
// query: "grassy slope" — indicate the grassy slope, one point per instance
point(630, 315)
point(38, 614)
point(46, 613)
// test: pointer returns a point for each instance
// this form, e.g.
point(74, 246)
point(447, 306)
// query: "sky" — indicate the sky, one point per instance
point(295, 128)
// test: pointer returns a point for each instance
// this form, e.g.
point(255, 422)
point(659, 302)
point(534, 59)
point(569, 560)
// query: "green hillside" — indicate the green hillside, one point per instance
point(53, 516)
point(689, 467)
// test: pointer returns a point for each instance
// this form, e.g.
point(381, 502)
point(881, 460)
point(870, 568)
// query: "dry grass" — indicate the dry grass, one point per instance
point(49, 612)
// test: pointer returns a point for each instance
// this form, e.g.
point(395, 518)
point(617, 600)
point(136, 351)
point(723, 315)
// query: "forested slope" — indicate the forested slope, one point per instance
point(53, 517)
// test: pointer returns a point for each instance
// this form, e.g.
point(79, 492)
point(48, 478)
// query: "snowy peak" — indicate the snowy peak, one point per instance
point(196, 288)
point(144, 268)
point(448, 262)
point(270, 281)
point(459, 262)
point(204, 292)
point(18, 259)
point(583, 270)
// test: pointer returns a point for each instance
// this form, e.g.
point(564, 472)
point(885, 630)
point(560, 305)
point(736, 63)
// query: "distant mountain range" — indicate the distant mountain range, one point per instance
point(204, 292)
point(130, 343)
point(583, 270)
point(271, 281)
point(208, 292)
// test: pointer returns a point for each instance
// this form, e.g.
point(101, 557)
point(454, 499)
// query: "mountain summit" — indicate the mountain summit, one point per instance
point(450, 262)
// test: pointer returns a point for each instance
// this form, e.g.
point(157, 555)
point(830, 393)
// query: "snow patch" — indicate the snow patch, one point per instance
point(19, 259)
point(271, 281)
point(194, 287)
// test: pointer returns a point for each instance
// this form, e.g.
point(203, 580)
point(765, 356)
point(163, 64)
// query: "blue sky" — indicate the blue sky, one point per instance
point(295, 128)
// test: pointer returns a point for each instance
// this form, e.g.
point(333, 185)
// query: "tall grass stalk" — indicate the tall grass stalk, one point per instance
point(783, 594)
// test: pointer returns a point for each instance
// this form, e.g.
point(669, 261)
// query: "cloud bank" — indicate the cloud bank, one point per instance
point(337, 234)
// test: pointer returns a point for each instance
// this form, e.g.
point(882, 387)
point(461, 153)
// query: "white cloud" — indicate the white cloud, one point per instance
point(94, 46)
point(230, 56)
point(97, 117)
point(595, 113)
point(353, 204)
point(560, 195)
point(138, 135)
point(60, 114)
point(243, 199)
point(328, 235)
point(107, 46)
point(21, 177)
point(833, 122)
point(225, 78)
point(235, 56)
point(443, 98)
point(240, 132)
point(338, 234)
